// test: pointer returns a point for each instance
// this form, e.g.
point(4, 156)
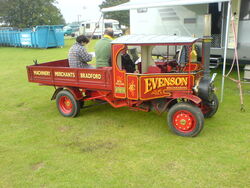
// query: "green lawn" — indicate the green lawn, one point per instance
point(107, 147)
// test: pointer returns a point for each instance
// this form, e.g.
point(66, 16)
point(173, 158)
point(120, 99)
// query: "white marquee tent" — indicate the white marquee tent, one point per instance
point(160, 3)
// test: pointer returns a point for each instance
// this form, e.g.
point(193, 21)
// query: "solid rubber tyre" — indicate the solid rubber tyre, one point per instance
point(67, 105)
point(210, 107)
point(185, 119)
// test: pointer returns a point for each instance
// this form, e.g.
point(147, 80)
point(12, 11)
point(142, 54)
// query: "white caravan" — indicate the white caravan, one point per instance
point(96, 28)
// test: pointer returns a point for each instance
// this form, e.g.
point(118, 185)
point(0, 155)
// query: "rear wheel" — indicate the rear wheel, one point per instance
point(209, 108)
point(67, 105)
point(185, 119)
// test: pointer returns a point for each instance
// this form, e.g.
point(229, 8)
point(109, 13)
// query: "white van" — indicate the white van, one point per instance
point(96, 28)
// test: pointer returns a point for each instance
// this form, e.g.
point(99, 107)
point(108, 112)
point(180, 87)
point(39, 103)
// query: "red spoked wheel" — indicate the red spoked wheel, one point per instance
point(67, 105)
point(185, 119)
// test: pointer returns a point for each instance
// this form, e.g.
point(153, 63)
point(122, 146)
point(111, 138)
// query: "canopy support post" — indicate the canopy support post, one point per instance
point(103, 24)
point(225, 49)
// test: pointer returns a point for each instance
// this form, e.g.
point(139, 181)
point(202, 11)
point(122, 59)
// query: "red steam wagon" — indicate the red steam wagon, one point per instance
point(149, 72)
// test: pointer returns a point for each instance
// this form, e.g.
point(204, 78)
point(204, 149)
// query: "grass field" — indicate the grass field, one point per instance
point(106, 147)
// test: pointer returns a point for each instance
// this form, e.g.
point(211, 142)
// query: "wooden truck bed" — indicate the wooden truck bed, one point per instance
point(58, 73)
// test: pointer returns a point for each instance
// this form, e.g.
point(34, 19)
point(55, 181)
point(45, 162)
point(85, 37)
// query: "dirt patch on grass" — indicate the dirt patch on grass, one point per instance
point(20, 104)
point(37, 166)
point(173, 166)
point(64, 129)
point(106, 122)
point(97, 146)
point(88, 147)
point(109, 123)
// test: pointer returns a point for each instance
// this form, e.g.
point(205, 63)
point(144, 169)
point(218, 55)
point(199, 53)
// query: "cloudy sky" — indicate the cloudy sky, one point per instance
point(82, 9)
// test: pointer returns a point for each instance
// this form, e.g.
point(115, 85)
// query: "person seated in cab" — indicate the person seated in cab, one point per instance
point(103, 49)
point(127, 63)
point(78, 55)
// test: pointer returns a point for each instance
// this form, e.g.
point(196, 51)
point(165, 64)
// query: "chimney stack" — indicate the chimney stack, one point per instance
point(207, 45)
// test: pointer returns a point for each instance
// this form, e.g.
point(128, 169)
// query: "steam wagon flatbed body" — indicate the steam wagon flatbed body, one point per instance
point(58, 73)
point(178, 82)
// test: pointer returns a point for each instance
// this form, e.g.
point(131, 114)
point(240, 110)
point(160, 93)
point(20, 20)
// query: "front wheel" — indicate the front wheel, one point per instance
point(185, 119)
point(67, 105)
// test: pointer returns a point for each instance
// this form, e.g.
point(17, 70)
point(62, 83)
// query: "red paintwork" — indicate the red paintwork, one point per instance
point(154, 69)
point(95, 95)
point(184, 121)
point(166, 66)
point(186, 95)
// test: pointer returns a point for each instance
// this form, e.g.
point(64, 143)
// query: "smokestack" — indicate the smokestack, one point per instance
point(207, 25)
point(207, 45)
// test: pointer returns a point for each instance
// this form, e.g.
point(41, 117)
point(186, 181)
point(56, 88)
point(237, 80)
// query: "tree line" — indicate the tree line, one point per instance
point(121, 16)
point(29, 13)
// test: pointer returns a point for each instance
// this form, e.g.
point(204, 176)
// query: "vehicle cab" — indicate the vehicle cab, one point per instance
point(164, 66)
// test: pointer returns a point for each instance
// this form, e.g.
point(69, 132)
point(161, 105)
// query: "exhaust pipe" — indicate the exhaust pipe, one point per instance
point(205, 87)
point(207, 45)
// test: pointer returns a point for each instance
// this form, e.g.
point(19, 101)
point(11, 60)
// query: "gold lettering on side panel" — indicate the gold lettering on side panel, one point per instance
point(41, 73)
point(91, 76)
point(65, 74)
point(156, 83)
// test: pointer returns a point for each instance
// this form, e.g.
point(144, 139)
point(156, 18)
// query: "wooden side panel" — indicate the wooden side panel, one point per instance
point(75, 77)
